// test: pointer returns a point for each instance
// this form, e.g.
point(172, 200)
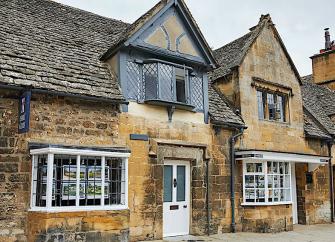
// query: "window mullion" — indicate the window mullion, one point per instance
point(187, 94)
point(78, 181)
point(265, 164)
point(49, 180)
point(159, 91)
point(103, 177)
point(125, 187)
point(34, 178)
point(290, 173)
point(244, 174)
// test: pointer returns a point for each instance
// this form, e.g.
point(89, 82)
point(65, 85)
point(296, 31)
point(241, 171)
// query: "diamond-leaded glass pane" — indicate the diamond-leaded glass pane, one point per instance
point(150, 75)
point(197, 95)
point(166, 80)
point(134, 80)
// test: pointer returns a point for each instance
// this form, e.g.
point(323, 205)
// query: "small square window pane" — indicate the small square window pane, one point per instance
point(259, 167)
point(250, 195)
point(250, 181)
point(260, 181)
point(276, 195)
point(260, 195)
point(251, 167)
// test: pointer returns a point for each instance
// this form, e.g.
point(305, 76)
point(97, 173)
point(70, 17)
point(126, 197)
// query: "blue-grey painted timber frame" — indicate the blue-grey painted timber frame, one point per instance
point(24, 112)
point(137, 50)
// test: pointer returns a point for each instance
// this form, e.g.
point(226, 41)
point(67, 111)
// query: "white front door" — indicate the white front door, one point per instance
point(294, 195)
point(176, 206)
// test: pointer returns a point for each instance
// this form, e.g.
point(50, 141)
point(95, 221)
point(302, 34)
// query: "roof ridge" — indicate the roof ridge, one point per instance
point(82, 10)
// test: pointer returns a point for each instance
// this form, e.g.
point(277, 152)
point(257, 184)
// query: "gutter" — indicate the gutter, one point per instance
point(331, 182)
point(64, 94)
point(232, 141)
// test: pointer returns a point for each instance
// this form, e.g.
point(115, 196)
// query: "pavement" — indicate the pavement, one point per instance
point(300, 233)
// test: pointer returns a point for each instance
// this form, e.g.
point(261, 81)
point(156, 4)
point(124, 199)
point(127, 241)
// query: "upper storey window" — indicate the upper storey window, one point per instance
point(271, 106)
point(165, 83)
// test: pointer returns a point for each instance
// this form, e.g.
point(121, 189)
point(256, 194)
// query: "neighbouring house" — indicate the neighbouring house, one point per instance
point(319, 93)
point(282, 158)
point(105, 132)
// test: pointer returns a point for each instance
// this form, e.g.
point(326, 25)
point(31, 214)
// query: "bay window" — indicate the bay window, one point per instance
point(159, 82)
point(266, 182)
point(166, 82)
point(78, 179)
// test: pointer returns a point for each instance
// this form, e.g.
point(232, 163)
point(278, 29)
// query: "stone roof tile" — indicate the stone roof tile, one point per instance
point(313, 99)
point(220, 111)
point(47, 45)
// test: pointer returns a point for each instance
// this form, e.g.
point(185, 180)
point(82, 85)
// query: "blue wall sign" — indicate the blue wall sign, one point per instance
point(24, 112)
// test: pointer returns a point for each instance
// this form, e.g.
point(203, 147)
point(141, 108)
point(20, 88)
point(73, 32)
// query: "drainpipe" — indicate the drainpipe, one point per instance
point(232, 177)
point(331, 181)
point(207, 197)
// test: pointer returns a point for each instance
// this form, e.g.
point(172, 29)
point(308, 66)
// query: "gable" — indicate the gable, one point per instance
point(172, 31)
point(267, 58)
point(172, 35)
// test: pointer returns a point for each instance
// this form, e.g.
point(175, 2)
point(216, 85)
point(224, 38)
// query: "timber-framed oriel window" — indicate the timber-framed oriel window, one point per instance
point(266, 183)
point(271, 105)
point(78, 179)
point(159, 81)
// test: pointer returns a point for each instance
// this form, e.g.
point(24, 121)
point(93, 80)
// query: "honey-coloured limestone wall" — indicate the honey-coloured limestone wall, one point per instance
point(55, 120)
point(187, 138)
point(267, 61)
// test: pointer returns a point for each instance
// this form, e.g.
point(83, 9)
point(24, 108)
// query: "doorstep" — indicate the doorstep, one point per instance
point(186, 238)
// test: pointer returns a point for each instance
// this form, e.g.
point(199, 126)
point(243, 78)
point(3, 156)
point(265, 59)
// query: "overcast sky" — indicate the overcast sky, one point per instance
point(299, 22)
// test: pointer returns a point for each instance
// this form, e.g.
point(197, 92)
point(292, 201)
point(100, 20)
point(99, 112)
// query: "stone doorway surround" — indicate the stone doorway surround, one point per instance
point(197, 154)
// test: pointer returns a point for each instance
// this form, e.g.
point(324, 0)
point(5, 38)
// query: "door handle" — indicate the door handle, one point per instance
point(185, 206)
point(174, 182)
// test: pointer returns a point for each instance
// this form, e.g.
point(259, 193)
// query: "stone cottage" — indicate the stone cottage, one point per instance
point(105, 128)
point(319, 94)
point(282, 158)
point(111, 131)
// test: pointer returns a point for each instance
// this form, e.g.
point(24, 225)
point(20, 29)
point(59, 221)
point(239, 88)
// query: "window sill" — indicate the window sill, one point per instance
point(177, 105)
point(266, 204)
point(78, 209)
point(287, 124)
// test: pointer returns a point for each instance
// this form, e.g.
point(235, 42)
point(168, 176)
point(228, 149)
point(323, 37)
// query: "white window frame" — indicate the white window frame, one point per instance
point(265, 173)
point(50, 152)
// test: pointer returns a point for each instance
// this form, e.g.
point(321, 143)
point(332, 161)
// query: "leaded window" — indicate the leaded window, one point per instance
point(78, 181)
point(266, 182)
point(164, 82)
point(271, 106)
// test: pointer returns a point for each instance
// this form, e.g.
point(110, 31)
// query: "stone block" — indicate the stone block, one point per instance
point(8, 167)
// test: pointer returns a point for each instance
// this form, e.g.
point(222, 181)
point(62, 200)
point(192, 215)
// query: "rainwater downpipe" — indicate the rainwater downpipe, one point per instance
point(232, 177)
point(331, 181)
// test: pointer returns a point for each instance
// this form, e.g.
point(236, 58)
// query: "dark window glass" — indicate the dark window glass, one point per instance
point(89, 182)
point(180, 85)
point(260, 102)
point(168, 176)
point(271, 106)
point(151, 81)
point(181, 186)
